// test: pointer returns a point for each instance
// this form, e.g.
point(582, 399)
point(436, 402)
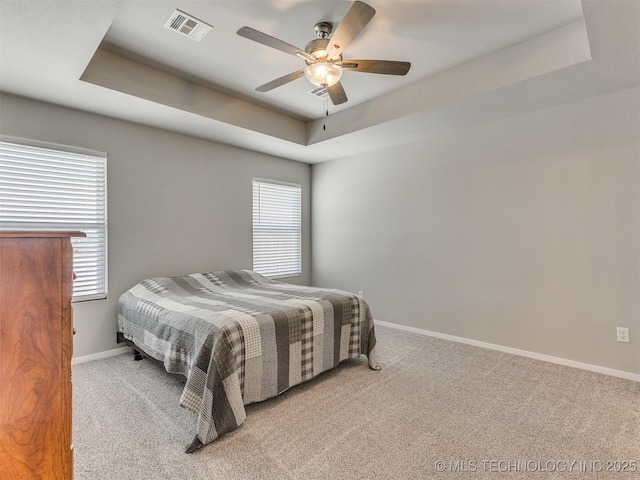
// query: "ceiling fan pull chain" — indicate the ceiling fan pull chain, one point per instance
point(326, 109)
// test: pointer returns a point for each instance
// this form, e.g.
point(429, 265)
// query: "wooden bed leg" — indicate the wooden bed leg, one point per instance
point(137, 356)
point(193, 446)
point(373, 365)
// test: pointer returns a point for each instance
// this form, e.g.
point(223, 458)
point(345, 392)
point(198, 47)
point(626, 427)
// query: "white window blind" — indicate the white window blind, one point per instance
point(277, 228)
point(46, 188)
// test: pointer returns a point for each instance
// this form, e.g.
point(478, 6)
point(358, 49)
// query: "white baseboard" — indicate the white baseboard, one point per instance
point(98, 356)
point(516, 351)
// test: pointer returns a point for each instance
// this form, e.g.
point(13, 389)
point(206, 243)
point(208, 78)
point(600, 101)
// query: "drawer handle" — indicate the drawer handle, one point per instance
point(74, 331)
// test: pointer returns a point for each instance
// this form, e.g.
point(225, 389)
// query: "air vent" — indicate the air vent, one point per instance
point(187, 25)
point(319, 92)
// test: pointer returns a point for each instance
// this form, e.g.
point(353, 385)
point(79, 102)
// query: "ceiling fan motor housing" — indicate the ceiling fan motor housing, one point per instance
point(318, 48)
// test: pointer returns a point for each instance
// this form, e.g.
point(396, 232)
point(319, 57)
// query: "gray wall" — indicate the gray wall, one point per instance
point(522, 232)
point(176, 204)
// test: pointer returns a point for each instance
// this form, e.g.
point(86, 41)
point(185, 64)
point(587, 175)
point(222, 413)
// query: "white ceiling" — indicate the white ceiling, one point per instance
point(472, 61)
point(433, 36)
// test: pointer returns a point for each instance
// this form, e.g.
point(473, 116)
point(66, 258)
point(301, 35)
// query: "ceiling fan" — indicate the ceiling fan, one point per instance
point(324, 55)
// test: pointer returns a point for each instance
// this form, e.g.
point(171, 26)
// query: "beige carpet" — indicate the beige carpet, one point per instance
point(490, 414)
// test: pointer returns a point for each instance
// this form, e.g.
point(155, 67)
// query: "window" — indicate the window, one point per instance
point(277, 230)
point(49, 187)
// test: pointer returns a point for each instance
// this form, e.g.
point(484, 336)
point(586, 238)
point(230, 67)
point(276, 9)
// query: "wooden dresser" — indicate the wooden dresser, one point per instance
point(35, 355)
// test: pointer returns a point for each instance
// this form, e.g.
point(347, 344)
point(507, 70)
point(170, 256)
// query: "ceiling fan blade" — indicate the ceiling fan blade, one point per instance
point(385, 67)
point(269, 41)
point(349, 28)
point(278, 82)
point(336, 93)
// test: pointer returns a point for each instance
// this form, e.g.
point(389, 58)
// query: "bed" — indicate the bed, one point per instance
point(241, 338)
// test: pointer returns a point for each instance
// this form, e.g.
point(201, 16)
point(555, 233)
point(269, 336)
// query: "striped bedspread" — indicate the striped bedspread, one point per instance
point(241, 338)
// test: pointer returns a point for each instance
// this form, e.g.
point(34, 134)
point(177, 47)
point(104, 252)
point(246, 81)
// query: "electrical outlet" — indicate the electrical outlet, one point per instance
point(623, 334)
point(360, 294)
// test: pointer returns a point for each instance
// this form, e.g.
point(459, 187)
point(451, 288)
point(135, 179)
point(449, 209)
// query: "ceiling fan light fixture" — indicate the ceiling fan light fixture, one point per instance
point(323, 73)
